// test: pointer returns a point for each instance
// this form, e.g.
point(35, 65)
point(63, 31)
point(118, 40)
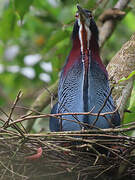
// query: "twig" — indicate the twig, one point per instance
point(8, 132)
point(117, 155)
point(105, 170)
point(59, 114)
point(87, 133)
point(13, 107)
point(63, 150)
point(94, 122)
point(6, 124)
point(3, 112)
point(110, 14)
point(31, 110)
point(6, 168)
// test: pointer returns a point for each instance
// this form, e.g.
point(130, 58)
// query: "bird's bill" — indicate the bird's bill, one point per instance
point(82, 13)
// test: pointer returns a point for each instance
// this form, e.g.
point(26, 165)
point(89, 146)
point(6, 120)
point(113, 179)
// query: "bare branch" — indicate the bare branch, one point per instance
point(94, 122)
point(6, 124)
point(13, 107)
point(109, 25)
point(121, 65)
point(110, 14)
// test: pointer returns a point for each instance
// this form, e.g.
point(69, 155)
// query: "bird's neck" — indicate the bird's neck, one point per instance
point(95, 53)
point(76, 55)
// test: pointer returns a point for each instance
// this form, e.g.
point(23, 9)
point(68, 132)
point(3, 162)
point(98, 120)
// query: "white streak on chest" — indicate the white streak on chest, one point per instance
point(87, 30)
point(85, 49)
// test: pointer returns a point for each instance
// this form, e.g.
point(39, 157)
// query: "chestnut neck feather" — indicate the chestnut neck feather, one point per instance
point(75, 53)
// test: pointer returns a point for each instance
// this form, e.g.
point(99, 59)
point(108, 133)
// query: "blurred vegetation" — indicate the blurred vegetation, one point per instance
point(35, 40)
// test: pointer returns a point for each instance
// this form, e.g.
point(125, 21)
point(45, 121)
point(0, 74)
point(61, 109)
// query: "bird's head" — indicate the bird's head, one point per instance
point(85, 27)
point(83, 16)
point(87, 33)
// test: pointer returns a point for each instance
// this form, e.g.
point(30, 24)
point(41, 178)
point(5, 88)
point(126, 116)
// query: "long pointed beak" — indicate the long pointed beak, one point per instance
point(82, 13)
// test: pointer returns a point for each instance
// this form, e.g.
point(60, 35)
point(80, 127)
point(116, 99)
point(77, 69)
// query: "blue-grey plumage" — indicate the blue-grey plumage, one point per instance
point(83, 84)
point(99, 91)
point(54, 122)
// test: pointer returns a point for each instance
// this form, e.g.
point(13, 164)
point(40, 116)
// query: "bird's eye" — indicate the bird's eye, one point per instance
point(76, 15)
point(90, 15)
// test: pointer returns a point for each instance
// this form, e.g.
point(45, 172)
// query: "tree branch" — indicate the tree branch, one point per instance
point(108, 27)
point(121, 65)
point(111, 14)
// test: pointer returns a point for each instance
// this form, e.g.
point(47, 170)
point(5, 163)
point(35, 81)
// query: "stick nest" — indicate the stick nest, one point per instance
point(95, 154)
point(103, 154)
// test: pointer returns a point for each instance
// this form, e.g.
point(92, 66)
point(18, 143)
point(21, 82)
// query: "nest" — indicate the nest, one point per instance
point(102, 154)
point(87, 154)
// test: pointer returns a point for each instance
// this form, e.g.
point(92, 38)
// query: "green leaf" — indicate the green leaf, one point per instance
point(46, 6)
point(55, 38)
point(128, 21)
point(132, 100)
point(130, 117)
point(8, 25)
point(22, 7)
point(130, 75)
